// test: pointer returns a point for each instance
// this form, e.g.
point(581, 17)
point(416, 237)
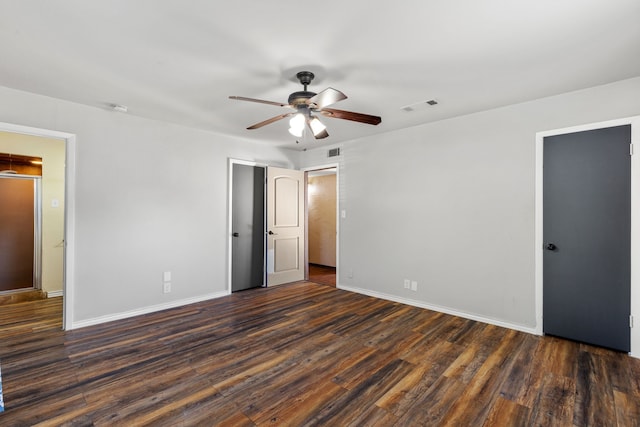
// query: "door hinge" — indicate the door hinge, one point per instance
point(631, 321)
point(631, 149)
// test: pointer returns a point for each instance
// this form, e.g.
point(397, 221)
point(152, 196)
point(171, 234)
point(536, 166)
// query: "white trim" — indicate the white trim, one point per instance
point(635, 219)
point(53, 294)
point(439, 308)
point(306, 214)
point(69, 212)
point(146, 310)
point(37, 259)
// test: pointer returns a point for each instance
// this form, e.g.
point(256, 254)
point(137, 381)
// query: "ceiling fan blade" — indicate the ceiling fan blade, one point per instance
point(350, 115)
point(261, 101)
point(269, 121)
point(326, 97)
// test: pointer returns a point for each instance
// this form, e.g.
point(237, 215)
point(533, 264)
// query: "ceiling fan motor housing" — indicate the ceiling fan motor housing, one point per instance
point(297, 98)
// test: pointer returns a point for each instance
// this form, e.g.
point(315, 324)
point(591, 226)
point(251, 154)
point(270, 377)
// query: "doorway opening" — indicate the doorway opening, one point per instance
point(20, 228)
point(266, 225)
point(31, 257)
point(256, 262)
point(56, 151)
point(21, 231)
point(322, 224)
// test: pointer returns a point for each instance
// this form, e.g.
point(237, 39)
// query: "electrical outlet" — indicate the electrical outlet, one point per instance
point(350, 274)
point(414, 285)
point(166, 287)
point(407, 284)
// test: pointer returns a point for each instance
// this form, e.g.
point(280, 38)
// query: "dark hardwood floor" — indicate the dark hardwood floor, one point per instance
point(303, 354)
point(322, 274)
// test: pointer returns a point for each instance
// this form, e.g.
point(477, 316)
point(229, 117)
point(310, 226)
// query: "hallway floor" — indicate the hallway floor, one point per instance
point(322, 274)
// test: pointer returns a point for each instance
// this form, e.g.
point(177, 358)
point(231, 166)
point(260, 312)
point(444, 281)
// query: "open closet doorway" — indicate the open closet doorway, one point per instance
point(322, 224)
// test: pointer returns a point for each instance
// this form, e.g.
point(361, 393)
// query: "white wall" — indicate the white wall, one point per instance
point(451, 205)
point(150, 197)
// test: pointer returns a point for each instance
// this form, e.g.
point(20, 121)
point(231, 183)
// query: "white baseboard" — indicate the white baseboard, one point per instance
point(145, 310)
point(441, 309)
point(53, 294)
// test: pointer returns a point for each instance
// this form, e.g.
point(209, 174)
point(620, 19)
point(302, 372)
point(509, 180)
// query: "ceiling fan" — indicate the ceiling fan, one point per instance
point(307, 105)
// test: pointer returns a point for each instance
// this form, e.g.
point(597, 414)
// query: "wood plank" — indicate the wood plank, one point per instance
point(555, 403)
point(506, 413)
point(362, 395)
point(620, 371)
point(431, 407)
point(594, 401)
point(520, 378)
point(634, 366)
point(466, 365)
point(403, 396)
point(551, 355)
point(477, 398)
point(312, 399)
point(627, 409)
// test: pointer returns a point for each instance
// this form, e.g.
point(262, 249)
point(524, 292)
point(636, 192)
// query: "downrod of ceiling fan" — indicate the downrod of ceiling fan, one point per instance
point(305, 78)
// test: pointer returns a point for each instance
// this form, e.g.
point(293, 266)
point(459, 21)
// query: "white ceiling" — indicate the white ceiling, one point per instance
point(178, 61)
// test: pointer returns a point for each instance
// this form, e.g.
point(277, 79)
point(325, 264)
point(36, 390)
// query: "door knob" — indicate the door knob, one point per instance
point(272, 233)
point(236, 234)
point(551, 247)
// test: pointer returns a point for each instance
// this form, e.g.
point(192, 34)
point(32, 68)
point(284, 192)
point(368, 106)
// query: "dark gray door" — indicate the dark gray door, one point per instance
point(587, 236)
point(248, 238)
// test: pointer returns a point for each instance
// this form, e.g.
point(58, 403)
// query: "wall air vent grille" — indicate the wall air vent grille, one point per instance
point(334, 152)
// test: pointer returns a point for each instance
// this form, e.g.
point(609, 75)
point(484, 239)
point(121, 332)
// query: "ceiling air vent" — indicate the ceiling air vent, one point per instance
point(334, 152)
point(419, 105)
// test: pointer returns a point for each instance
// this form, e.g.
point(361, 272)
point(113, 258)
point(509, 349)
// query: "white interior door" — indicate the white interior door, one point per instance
point(285, 226)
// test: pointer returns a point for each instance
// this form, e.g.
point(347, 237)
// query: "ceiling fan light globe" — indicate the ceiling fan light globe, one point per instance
point(317, 126)
point(297, 121)
point(296, 131)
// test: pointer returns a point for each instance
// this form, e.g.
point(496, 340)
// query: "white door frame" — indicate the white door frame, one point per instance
point(231, 162)
point(635, 219)
point(306, 217)
point(69, 211)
